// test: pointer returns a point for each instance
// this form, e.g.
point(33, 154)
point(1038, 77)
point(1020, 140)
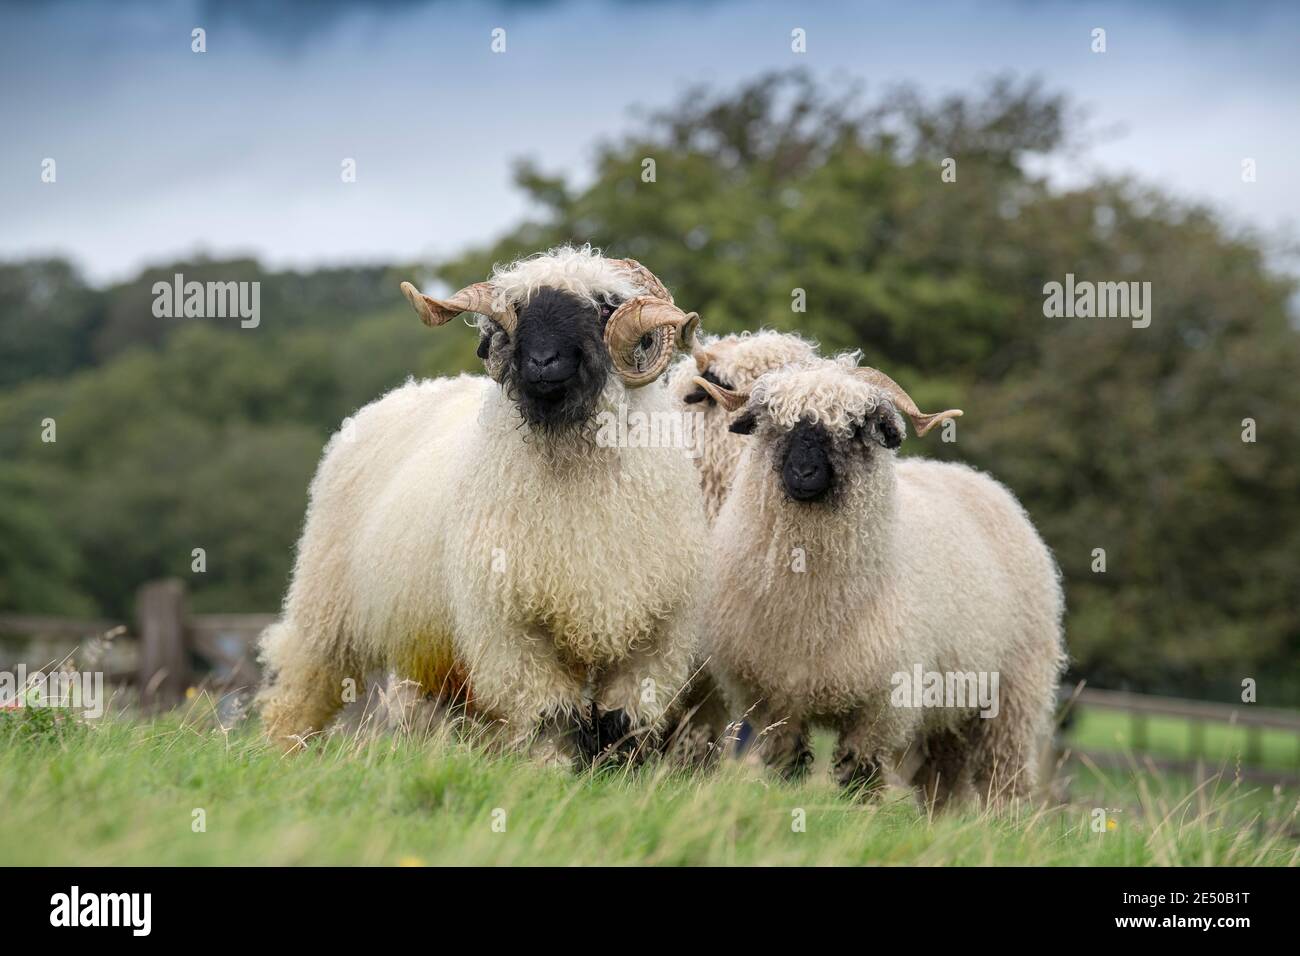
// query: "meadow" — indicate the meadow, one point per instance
point(183, 790)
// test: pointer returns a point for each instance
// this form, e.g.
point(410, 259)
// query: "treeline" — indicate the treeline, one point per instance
point(1125, 444)
point(52, 323)
point(177, 434)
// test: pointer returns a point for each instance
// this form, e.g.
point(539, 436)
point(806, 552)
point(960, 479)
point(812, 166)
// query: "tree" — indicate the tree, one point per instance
point(1117, 438)
point(48, 317)
point(1114, 437)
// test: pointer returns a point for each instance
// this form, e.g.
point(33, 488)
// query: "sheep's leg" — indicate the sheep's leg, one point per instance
point(1004, 773)
point(537, 698)
point(944, 777)
point(698, 724)
point(855, 771)
point(631, 697)
point(782, 744)
point(773, 734)
point(1005, 750)
point(610, 733)
point(308, 686)
point(414, 709)
point(857, 763)
point(791, 754)
point(554, 741)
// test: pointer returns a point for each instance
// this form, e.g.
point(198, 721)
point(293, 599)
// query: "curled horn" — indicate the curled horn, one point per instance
point(921, 421)
point(473, 298)
point(642, 335)
point(703, 358)
point(647, 279)
point(645, 331)
point(728, 399)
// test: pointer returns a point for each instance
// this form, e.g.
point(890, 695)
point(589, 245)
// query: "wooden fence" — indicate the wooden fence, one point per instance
point(1139, 708)
point(165, 650)
point(162, 652)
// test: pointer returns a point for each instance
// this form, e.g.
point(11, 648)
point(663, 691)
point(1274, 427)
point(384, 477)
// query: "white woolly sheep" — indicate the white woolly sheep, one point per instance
point(734, 362)
point(842, 574)
point(700, 719)
point(474, 536)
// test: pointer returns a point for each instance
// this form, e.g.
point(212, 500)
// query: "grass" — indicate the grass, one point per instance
point(125, 791)
point(1222, 744)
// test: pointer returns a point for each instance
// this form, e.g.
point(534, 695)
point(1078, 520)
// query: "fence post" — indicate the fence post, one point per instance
point(1196, 730)
point(1137, 731)
point(164, 657)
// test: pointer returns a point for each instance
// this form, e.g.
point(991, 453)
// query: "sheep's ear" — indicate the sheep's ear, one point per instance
point(744, 423)
point(885, 426)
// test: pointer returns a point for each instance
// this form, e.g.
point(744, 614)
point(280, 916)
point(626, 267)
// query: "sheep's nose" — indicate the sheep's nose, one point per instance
point(806, 471)
point(542, 361)
point(550, 366)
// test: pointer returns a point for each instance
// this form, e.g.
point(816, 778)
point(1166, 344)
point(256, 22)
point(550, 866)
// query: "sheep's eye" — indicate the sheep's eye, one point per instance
point(647, 341)
point(698, 394)
point(608, 308)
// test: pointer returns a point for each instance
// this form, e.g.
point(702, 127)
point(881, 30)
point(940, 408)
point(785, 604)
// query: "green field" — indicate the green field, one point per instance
point(1222, 745)
point(123, 791)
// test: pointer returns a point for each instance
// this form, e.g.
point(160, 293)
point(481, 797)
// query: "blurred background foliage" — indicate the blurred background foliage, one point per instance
point(174, 434)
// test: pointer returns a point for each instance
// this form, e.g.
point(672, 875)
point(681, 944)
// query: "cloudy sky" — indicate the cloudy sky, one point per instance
point(162, 152)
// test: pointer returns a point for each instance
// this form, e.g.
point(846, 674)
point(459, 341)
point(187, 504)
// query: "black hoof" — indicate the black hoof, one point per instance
point(797, 767)
point(859, 774)
point(606, 733)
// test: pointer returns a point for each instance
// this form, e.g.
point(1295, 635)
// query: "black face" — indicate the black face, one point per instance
point(809, 459)
point(559, 362)
point(806, 468)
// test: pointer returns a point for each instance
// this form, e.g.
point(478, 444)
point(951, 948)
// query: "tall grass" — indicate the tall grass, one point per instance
point(126, 791)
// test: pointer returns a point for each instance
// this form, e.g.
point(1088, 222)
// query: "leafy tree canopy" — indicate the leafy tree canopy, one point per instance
point(176, 434)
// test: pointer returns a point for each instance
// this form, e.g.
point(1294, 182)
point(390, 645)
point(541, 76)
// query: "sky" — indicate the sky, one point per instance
point(161, 152)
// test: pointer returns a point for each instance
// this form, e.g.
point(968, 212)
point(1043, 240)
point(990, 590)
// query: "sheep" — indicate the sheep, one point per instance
point(845, 579)
point(474, 535)
point(700, 722)
point(735, 362)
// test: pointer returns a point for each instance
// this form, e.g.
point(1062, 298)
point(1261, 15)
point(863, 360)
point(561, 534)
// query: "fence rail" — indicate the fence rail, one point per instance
point(70, 628)
point(164, 642)
point(1252, 718)
point(1247, 715)
point(1196, 768)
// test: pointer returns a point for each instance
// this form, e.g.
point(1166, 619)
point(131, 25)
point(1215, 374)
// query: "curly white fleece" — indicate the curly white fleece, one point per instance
point(814, 607)
point(534, 573)
point(817, 391)
point(738, 361)
point(579, 270)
